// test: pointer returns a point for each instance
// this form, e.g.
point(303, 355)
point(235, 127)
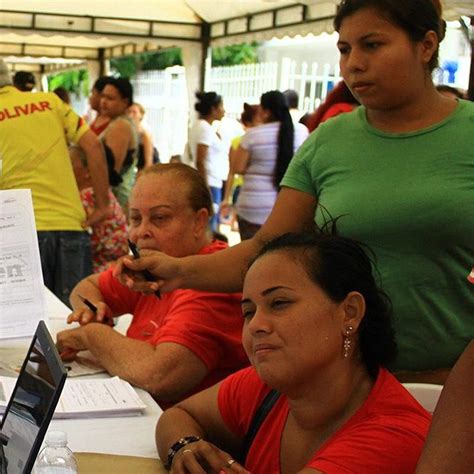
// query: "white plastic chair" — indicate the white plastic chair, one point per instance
point(426, 394)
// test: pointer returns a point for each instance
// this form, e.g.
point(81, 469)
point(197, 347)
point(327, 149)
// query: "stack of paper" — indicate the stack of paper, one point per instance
point(88, 398)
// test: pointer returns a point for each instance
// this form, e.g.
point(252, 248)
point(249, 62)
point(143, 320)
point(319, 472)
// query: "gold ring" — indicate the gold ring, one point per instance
point(188, 451)
point(230, 462)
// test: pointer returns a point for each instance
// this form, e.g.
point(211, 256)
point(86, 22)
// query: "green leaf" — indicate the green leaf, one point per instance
point(73, 81)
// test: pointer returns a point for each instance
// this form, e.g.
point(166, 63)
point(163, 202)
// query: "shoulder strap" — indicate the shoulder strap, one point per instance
point(257, 420)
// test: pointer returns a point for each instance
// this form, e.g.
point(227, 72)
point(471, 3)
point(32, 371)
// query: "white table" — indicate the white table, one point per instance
point(132, 436)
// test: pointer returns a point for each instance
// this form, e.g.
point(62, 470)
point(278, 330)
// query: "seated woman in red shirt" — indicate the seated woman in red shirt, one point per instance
point(184, 342)
point(318, 331)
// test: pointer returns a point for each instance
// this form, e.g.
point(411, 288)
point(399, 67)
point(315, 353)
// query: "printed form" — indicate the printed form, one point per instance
point(22, 303)
point(98, 398)
point(90, 398)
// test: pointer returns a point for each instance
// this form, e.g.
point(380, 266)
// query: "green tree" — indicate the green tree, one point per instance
point(245, 53)
point(129, 66)
point(75, 82)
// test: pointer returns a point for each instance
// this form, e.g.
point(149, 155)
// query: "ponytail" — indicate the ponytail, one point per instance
point(275, 102)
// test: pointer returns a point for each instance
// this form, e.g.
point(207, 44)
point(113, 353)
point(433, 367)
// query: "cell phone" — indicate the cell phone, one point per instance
point(147, 275)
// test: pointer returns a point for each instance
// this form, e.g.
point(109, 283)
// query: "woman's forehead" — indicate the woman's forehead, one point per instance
point(366, 21)
point(160, 188)
point(281, 263)
point(111, 91)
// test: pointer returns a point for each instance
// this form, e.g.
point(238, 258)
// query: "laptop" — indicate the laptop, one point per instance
point(31, 404)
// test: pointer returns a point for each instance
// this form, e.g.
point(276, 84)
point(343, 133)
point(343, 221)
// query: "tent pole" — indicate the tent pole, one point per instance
point(101, 58)
point(205, 42)
point(470, 92)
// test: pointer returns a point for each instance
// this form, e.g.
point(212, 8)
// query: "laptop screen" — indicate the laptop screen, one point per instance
point(32, 403)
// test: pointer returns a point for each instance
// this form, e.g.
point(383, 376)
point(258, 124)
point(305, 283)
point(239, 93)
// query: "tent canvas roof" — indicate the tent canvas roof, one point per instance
point(78, 29)
point(187, 11)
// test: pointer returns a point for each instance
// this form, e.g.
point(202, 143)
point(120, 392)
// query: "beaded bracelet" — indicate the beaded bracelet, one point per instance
point(177, 446)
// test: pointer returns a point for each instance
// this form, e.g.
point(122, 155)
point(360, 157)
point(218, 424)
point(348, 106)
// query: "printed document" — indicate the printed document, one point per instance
point(22, 303)
point(88, 398)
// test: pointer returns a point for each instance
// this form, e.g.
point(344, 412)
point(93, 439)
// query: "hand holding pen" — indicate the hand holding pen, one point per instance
point(91, 313)
point(83, 315)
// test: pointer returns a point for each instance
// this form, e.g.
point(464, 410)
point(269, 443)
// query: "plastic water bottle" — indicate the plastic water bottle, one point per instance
point(56, 457)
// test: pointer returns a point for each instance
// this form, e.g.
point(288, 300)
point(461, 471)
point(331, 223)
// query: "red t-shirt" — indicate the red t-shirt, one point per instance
point(337, 109)
point(208, 324)
point(385, 435)
point(99, 129)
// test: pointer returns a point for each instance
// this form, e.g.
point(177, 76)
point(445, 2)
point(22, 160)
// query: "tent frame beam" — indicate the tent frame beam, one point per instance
point(271, 19)
point(143, 28)
point(268, 28)
point(71, 52)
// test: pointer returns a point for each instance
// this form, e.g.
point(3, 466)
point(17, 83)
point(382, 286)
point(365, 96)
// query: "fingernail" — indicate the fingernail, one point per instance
point(470, 277)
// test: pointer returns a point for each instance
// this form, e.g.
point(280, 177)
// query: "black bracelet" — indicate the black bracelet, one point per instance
point(177, 446)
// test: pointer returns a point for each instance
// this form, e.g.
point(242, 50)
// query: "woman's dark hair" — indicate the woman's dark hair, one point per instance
point(450, 89)
point(100, 83)
point(275, 103)
point(24, 81)
point(250, 112)
point(198, 192)
point(291, 97)
point(206, 102)
point(63, 94)
point(124, 88)
point(415, 17)
point(339, 265)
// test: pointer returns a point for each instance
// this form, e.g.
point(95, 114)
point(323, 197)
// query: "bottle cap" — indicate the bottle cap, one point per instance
point(56, 438)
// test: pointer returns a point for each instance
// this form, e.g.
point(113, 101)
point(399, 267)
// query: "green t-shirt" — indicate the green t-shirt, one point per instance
point(410, 197)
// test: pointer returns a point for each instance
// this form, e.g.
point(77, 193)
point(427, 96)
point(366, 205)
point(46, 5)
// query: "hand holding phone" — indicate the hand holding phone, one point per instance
point(146, 274)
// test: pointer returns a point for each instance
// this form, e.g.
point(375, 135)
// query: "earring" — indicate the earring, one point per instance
point(347, 343)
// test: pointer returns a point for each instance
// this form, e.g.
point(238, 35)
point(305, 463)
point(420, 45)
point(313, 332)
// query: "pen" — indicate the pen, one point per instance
point(93, 308)
point(90, 305)
point(148, 276)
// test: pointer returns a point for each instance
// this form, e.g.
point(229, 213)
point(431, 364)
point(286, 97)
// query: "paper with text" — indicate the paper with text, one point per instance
point(88, 398)
point(22, 303)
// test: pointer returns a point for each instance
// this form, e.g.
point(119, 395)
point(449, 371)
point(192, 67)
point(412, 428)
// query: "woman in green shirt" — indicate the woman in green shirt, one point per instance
point(399, 174)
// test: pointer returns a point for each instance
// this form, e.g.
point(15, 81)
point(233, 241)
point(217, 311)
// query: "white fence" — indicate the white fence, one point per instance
point(163, 94)
point(312, 82)
point(246, 83)
point(243, 83)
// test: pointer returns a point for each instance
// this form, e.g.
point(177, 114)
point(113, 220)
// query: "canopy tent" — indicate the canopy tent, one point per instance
point(92, 31)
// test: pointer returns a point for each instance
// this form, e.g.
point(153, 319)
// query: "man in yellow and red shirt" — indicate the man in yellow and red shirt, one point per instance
point(34, 132)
